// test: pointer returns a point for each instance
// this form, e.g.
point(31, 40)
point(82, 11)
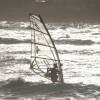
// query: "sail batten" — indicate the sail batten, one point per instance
point(42, 44)
point(39, 31)
point(44, 58)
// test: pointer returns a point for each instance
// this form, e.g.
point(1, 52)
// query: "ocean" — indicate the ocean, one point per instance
point(78, 45)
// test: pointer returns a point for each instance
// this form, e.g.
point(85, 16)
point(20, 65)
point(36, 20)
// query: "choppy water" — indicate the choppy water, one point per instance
point(78, 45)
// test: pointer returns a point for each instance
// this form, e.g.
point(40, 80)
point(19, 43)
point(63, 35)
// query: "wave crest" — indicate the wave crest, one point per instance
point(13, 41)
point(75, 42)
point(21, 87)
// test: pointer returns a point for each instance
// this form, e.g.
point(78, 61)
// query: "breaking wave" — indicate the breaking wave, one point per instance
point(19, 86)
point(75, 42)
point(13, 41)
point(13, 24)
point(80, 52)
point(95, 33)
point(62, 41)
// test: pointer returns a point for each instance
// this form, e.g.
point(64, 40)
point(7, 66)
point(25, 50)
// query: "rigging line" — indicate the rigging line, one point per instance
point(38, 73)
point(36, 69)
point(41, 75)
point(39, 67)
point(46, 64)
point(40, 64)
point(31, 66)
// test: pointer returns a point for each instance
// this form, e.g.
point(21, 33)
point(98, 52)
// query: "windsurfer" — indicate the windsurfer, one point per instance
point(53, 73)
point(41, 61)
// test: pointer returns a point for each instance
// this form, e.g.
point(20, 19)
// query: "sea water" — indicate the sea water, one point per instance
point(78, 45)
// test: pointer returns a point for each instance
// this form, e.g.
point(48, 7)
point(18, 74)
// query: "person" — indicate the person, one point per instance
point(53, 73)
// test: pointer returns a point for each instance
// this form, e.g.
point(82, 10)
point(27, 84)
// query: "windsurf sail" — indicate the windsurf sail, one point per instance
point(43, 50)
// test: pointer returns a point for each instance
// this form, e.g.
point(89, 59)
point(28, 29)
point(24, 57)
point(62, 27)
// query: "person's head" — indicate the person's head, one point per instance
point(55, 65)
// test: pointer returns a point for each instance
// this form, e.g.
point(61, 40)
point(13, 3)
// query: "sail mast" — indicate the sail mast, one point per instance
point(59, 64)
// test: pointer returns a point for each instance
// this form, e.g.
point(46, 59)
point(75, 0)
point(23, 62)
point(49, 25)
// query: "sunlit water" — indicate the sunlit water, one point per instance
point(79, 49)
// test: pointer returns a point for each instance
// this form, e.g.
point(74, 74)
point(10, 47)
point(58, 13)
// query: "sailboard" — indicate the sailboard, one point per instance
point(43, 50)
